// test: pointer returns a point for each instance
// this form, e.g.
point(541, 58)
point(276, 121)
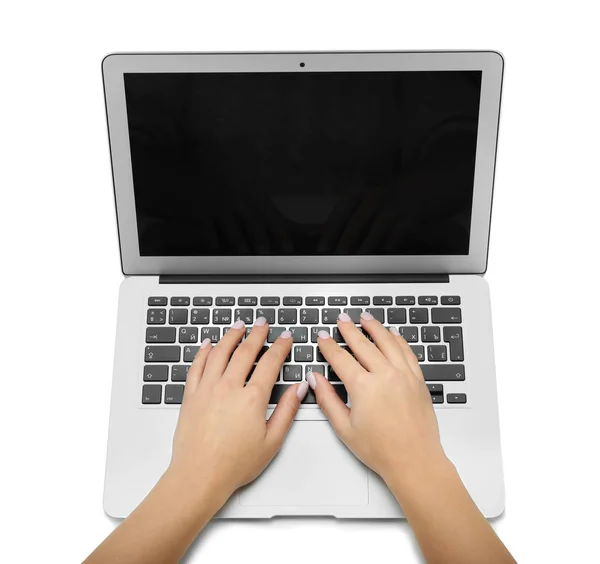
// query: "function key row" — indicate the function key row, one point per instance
point(298, 300)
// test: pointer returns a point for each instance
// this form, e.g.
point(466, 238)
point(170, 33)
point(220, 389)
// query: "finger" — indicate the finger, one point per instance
point(267, 370)
point(385, 341)
point(330, 403)
point(194, 374)
point(281, 419)
point(344, 364)
point(409, 355)
point(245, 355)
point(222, 351)
point(364, 350)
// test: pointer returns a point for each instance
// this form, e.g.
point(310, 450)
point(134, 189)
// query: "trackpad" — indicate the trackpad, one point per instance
point(312, 468)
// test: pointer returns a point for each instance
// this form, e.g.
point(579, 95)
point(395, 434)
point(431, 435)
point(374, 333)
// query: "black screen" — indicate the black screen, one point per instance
point(335, 163)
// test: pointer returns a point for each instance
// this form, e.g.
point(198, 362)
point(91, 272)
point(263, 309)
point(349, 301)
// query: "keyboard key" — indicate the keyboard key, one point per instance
point(315, 301)
point(261, 352)
point(450, 300)
point(280, 389)
point(156, 373)
point(382, 300)
point(320, 368)
point(188, 334)
point(364, 332)
point(203, 301)
point(222, 316)
point(337, 336)
point(360, 300)
point(180, 301)
point(157, 301)
point(179, 372)
point(246, 315)
point(454, 337)
point(396, 315)
point(443, 372)
point(446, 315)
point(212, 333)
point(437, 353)
point(269, 301)
point(419, 351)
point(428, 300)
point(156, 316)
point(247, 300)
point(377, 313)
point(354, 313)
point(292, 301)
point(309, 316)
point(189, 352)
point(292, 373)
point(437, 398)
point(200, 316)
point(329, 316)
point(405, 300)
point(430, 334)
point(314, 333)
point(225, 301)
point(274, 332)
point(267, 313)
point(337, 300)
point(457, 398)
point(167, 353)
point(332, 376)
point(418, 315)
point(178, 316)
point(287, 316)
point(151, 394)
point(435, 388)
point(299, 334)
point(303, 354)
point(174, 393)
point(160, 335)
point(410, 334)
point(320, 357)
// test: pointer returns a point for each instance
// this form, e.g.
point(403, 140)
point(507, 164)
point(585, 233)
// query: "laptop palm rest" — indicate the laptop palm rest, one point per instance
point(313, 468)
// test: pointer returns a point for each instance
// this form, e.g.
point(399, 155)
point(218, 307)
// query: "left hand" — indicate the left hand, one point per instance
point(223, 440)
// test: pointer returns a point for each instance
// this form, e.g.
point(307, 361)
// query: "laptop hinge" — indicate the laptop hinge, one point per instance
point(303, 278)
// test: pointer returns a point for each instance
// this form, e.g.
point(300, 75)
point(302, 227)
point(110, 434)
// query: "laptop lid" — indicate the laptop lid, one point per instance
point(282, 163)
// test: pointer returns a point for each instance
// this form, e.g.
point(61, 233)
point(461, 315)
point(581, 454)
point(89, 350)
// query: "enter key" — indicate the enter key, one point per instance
point(454, 337)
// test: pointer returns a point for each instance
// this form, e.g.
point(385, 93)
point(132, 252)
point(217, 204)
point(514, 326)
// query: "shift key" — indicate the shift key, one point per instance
point(162, 354)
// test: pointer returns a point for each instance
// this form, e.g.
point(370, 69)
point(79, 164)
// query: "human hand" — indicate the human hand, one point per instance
point(223, 440)
point(391, 426)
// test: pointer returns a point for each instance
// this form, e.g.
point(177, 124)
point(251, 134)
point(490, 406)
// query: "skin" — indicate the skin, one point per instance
point(223, 442)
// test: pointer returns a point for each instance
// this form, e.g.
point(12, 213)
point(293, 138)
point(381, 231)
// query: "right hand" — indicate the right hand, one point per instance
point(392, 427)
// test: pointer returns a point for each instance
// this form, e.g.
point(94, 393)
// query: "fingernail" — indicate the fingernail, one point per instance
point(260, 321)
point(286, 335)
point(394, 331)
point(323, 334)
point(205, 343)
point(301, 391)
point(344, 317)
point(366, 316)
point(239, 324)
point(310, 378)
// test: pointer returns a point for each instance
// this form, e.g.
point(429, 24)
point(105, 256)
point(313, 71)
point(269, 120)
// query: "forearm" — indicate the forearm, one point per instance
point(164, 525)
point(447, 524)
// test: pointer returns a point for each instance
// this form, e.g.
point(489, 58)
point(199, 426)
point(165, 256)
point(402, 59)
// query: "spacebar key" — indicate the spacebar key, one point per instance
point(443, 372)
point(162, 354)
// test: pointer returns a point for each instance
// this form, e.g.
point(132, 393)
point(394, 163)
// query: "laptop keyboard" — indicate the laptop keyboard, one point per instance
point(175, 327)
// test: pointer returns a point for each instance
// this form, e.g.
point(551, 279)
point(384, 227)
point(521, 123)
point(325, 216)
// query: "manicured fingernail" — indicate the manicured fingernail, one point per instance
point(286, 335)
point(301, 391)
point(205, 343)
point(310, 378)
point(344, 317)
point(323, 334)
point(260, 321)
point(239, 324)
point(394, 331)
point(366, 316)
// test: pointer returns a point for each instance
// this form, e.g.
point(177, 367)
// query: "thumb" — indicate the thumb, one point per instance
point(281, 419)
point(330, 403)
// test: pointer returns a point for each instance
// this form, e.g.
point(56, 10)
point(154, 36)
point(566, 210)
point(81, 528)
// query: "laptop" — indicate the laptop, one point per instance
point(297, 186)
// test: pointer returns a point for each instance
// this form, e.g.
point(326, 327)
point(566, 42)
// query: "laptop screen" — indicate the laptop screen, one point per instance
point(303, 163)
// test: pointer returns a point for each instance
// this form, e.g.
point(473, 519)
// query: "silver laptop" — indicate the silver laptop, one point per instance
point(296, 186)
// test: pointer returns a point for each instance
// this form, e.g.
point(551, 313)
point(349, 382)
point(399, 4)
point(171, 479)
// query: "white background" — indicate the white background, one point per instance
point(61, 272)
